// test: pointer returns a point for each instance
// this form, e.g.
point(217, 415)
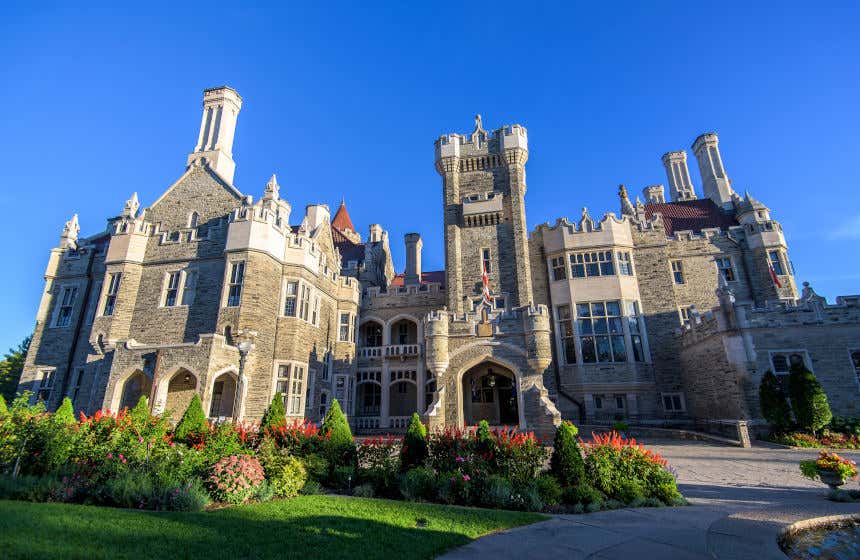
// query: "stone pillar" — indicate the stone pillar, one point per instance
point(414, 245)
point(384, 405)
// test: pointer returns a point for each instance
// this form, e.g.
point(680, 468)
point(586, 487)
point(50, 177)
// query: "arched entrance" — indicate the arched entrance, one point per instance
point(223, 396)
point(490, 393)
point(180, 390)
point(137, 385)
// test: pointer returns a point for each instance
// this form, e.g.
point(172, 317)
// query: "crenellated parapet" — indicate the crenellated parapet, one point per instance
point(479, 150)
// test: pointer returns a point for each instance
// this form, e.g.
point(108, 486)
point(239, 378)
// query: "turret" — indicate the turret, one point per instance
point(716, 185)
point(414, 244)
point(678, 174)
point(221, 108)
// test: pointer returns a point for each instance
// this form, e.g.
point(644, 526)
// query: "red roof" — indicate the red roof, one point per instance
point(434, 276)
point(341, 218)
point(349, 251)
point(690, 215)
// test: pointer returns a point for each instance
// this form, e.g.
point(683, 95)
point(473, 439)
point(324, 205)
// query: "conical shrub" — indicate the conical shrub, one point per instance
point(66, 413)
point(193, 421)
point(276, 414)
point(414, 450)
point(808, 400)
point(774, 402)
point(566, 463)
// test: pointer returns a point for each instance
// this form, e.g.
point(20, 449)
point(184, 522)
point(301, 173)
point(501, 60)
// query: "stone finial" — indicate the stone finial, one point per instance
point(272, 188)
point(131, 206)
point(69, 237)
point(478, 126)
point(626, 206)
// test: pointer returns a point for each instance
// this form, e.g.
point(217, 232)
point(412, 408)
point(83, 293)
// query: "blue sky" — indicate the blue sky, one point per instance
point(345, 100)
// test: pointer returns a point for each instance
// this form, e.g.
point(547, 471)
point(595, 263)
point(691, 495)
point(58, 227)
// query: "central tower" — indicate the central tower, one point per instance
point(484, 187)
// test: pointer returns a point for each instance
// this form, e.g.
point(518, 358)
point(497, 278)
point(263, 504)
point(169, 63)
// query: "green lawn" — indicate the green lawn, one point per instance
point(304, 527)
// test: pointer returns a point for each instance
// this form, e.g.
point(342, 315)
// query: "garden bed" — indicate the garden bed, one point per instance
point(303, 527)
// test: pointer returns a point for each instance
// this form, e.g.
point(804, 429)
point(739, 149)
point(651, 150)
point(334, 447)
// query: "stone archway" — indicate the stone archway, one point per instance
point(178, 392)
point(135, 386)
point(222, 396)
point(489, 392)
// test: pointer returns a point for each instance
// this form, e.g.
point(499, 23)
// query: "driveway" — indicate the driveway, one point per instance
point(741, 501)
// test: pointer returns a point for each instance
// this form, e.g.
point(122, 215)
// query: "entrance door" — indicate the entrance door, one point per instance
point(489, 393)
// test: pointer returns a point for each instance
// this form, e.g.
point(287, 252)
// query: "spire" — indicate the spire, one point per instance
point(272, 188)
point(341, 220)
point(131, 206)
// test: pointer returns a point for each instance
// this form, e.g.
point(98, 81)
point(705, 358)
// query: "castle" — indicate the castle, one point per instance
point(668, 313)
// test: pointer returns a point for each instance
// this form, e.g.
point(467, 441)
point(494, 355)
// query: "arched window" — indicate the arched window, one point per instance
point(193, 219)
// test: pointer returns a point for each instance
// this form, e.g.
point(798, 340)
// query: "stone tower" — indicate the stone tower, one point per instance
point(715, 183)
point(680, 186)
point(484, 187)
point(221, 108)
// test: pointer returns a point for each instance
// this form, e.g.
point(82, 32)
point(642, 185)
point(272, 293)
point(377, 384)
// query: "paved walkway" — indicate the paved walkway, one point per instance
point(741, 500)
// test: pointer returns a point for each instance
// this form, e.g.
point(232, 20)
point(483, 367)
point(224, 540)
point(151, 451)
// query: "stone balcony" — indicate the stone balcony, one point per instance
point(401, 351)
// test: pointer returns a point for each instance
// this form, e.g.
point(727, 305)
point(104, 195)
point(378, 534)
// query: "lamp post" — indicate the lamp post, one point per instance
point(245, 343)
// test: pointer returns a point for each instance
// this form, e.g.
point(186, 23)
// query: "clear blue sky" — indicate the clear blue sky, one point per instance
point(345, 100)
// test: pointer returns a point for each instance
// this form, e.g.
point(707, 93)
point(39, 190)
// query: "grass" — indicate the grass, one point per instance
point(303, 527)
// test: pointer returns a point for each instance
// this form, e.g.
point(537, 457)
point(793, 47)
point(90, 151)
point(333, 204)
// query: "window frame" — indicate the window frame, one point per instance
point(557, 264)
point(788, 352)
point(235, 286)
point(726, 271)
point(595, 334)
point(166, 288)
point(565, 326)
point(676, 266)
point(108, 306)
point(776, 261)
point(349, 325)
point(684, 314)
point(295, 391)
point(671, 395)
point(486, 260)
point(62, 306)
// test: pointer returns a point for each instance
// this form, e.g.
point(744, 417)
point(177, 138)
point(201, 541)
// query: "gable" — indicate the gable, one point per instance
point(198, 190)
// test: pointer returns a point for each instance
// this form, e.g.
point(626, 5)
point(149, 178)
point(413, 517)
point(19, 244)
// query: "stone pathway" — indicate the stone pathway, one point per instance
point(741, 501)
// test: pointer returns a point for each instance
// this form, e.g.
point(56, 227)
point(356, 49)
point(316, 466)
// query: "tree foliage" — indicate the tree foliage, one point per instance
point(808, 400)
point(774, 402)
point(414, 450)
point(339, 444)
point(11, 367)
point(566, 463)
point(193, 421)
point(65, 414)
point(276, 414)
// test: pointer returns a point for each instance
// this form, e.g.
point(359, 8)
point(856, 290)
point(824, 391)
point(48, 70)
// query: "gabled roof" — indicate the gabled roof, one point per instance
point(341, 218)
point(690, 215)
point(434, 276)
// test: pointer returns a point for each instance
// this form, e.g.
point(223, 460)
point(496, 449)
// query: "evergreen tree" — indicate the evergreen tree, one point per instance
point(774, 402)
point(140, 413)
point(193, 421)
point(66, 413)
point(808, 400)
point(414, 450)
point(566, 463)
point(11, 367)
point(339, 443)
point(276, 414)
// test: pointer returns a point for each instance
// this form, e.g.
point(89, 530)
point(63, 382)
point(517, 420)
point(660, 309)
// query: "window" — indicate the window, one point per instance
point(373, 334)
point(499, 303)
point(776, 262)
point(635, 327)
point(601, 332)
point(482, 390)
point(171, 293)
point(673, 402)
point(290, 296)
point(678, 272)
point(112, 291)
point(485, 259)
point(402, 333)
point(67, 304)
point(783, 361)
point(76, 384)
point(625, 265)
point(684, 314)
point(323, 404)
point(855, 361)
point(190, 287)
point(46, 386)
point(598, 401)
point(290, 383)
point(93, 304)
point(724, 265)
point(315, 313)
point(217, 396)
point(327, 366)
point(237, 278)
point(193, 220)
point(559, 268)
point(619, 401)
point(304, 301)
point(565, 329)
point(586, 265)
point(344, 326)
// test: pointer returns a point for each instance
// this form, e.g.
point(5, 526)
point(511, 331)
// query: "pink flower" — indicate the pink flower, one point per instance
point(140, 440)
point(466, 478)
point(460, 459)
point(110, 455)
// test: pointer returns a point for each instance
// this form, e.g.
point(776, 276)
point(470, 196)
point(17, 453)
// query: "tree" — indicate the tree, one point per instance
point(193, 421)
point(65, 414)
point(566, 462)
point(11, 367)
point(414, 450)
point(774, 402)
point(339, 443)
point(808, 400)
point(276, 414)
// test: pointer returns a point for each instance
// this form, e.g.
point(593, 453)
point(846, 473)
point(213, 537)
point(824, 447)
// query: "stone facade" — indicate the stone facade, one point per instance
point(209, 291)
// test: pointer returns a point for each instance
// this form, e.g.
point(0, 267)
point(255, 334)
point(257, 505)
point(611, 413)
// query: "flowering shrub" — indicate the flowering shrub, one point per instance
point(297, 438)
point(624, 470)
point(235, 479)
point(829, 461)
point(827, 438)
point(379, 463)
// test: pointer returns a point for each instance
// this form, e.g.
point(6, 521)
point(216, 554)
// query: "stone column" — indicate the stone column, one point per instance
point(384, 405)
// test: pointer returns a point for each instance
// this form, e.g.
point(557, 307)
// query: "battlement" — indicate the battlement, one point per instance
point(480, 142)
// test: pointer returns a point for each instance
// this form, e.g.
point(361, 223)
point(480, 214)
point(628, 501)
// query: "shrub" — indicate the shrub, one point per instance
point(300, 437)
point(191, 496)
point(517, 455)
point(4, 410)
point(454, 488)
point(311, 487)
point(808, 399)
point(566, 463)
point(65, 414)
point(418, 484)
point(140, 413)
point(338, 446)
point(839, 424)
point(621, 426)
point(527, 498)
point(343, 477)
point(773, 402)
point(193, 421)
point(316, 467)
point(378, 463)
point(583, 493)
point(287, 476)
point(828, 461)
point(364, 491)
point(629, 490)
point(276, 414)
point(413, 452)
point(549, 490)
point(235, 479)
point(497, 492)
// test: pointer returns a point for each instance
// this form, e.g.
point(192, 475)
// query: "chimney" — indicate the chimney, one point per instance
point(680, 186)
point(375, 233)
point(414, 244)
point(316, 215)
point(221, 108)
point(654, 194)
point(715, 183)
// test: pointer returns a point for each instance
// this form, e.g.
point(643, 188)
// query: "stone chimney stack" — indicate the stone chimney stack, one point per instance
point(715, 183)
point(375, 233)
point(654, 194)
point(680, 186)
point(414, 244)
point(317, 214)
point(221, 108)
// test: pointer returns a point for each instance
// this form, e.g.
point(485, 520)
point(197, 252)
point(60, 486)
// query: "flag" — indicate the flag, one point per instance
point(774, 278)
point(485, 281)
